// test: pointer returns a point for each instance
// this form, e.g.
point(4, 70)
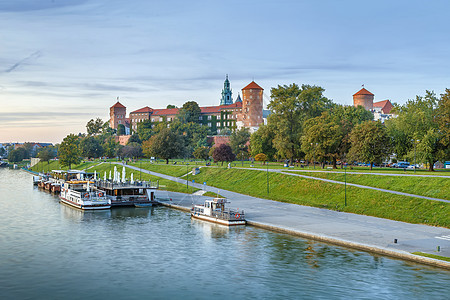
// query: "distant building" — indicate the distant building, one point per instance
point(381, 110)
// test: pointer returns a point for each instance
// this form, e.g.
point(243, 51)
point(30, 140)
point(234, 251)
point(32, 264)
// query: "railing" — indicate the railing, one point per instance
point(137, 184)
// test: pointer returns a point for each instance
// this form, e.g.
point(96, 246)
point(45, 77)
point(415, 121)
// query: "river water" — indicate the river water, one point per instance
point(52, 251)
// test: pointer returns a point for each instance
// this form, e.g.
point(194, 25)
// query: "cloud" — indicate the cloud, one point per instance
point(32, 56)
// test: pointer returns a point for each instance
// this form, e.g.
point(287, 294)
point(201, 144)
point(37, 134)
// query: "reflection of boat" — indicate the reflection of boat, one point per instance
point(215, 211)
point(141, 205)
point(80, 194)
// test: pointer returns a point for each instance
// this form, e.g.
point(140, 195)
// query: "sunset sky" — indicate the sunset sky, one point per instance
point(64, 62)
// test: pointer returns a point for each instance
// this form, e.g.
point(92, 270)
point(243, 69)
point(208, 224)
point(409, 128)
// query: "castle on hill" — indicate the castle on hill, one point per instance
point(381, 110)
point(242, 113)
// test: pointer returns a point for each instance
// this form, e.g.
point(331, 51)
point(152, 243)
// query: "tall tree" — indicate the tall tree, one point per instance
point(145, 130)
point(110, 147)
point(369, 142)
point(189, 112)
point(322, 137)
point(91, 147)
point(443, 118)
point(94, 127)
point(166, 144)
point(46, 154)
point(69, 151)
point(131, 150)
point(291, 106)
point(201, 153)
point(239, 140)
point(261, 142)
point(418, 125)
point(120, 129)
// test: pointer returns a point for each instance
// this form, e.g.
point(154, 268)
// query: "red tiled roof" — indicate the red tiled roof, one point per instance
point(217, 109)
point(385, 105)
point(363, 91)
point(118, 105)
point(165, 111)
point(142, 110)
point(252, 85)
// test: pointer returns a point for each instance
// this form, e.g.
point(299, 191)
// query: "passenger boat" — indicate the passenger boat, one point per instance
point(214, 211)
point(80, 194)
point(138, 194)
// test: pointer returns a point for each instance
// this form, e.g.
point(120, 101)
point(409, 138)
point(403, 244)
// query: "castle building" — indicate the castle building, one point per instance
point(117, 115)
point(246, 112)
point(381, 109)
point(252, 107)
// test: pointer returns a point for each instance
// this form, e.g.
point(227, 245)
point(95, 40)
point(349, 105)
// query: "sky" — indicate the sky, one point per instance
point(64, 62)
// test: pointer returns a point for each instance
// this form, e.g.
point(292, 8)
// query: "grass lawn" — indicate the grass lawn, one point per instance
point(214, 195)
point(424, 186)
point(432, 256)
point(315, 193)
point(169, 169)
point(55, 165)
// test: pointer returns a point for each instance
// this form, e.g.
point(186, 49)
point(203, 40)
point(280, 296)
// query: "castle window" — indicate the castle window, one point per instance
point(218, 117)
point(218, 124)
point(251, 96)
point(209, 117)
point(120, 122)
point(209, 124)
point(169, 119)
point(200, 118)
point(160, 119)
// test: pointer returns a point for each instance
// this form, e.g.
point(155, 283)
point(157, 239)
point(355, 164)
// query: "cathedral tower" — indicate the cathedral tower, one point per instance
point(226, 93)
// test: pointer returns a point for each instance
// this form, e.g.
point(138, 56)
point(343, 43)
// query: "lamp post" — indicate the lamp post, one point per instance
point(267, 176)
point(415, 143)
point(345, 185)
point(187, 176)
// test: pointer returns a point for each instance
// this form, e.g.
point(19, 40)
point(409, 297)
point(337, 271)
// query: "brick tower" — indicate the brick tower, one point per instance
point(117, 115)
point(364, 98)
point(252, 107)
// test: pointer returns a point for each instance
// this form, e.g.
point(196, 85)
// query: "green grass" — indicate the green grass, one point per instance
point(444, 258)
point(164, 184)
point(55, 165)
point(291, 189)
point(424, 186)
point(170, 169)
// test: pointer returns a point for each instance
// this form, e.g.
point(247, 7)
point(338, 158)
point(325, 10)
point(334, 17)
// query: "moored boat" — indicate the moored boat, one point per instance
point(214, 211)
point(80, 194)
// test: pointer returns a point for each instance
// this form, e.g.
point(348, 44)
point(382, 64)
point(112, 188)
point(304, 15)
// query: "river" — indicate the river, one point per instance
point(52, 251)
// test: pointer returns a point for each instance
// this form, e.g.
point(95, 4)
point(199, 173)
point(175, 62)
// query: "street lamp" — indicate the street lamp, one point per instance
point(415, 143)
point(267, 176)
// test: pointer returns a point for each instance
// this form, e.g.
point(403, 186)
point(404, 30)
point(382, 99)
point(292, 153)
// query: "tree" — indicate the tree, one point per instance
point(144, 130)
point(120, 129)
point(170, 106)
point(369, 142)
point(201, 153)
point(322, 138)
point(2, 151)
point(223, 153)
point(193, 134)
point(166, 144)
point(134, 138)
point(17, 155)
point(418, 124)
point(69, 151)
point(239, 140)
point(91, 147)
point(261, 157)
point(261, 142)
point(46, 154)
point(110, 147)
point(131, 150)
point(443, 118)
point(291, 106)
point(189, 112)
point(94, 127)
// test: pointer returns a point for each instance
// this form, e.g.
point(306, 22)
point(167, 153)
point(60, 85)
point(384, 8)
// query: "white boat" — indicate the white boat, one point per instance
point(80, 194)
point(214, 211)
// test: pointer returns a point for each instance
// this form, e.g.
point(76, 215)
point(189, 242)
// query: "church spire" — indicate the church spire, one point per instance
point(226, 93)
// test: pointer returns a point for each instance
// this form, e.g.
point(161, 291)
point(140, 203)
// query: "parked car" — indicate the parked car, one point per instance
point(402, 164)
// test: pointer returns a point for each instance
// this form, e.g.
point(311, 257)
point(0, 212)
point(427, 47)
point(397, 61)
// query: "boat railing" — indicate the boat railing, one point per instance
point(228, 215)
point(127, 184)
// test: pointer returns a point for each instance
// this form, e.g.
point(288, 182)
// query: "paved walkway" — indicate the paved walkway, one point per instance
point(356, 231)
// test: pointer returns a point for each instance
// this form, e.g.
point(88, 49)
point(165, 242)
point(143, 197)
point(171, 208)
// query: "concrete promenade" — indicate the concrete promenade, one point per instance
point(345, 229)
